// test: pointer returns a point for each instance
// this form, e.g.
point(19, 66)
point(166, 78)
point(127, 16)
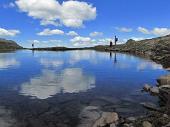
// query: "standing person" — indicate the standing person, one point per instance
point(116, 40)
point(111, 44)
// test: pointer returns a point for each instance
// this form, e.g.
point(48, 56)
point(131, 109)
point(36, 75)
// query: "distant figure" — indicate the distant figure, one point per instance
point(33, 45)
point(111, 43)
point(116, 40)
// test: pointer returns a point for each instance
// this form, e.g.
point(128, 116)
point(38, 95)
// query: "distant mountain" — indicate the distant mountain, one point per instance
point(8, 45)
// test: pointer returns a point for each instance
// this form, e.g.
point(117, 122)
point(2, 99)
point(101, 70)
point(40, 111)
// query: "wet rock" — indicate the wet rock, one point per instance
point(146, 124)
point(154, 90)
point(168, 125)
point(147, 87)
point(5, 118)
point(164, 80)
point(130, 119)
point(150, 106)
point(89, 115)
point(106, 118)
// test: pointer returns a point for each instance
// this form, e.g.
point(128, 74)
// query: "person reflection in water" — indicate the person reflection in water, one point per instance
point(115, 58)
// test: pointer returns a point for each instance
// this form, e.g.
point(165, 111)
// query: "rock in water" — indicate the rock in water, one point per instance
point(147, 87)
point(106, 119)
point(154, 90)
point(146, 124)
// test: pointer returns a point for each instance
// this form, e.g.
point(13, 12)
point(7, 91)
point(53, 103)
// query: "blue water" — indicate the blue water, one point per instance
point(115, 77)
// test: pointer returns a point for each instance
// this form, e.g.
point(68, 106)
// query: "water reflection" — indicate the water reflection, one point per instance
point(7, 60)
point(51, 62)
point(70, 80)
point(149, 65)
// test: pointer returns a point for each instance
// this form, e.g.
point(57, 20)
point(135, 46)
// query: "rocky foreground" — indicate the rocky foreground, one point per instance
point(8, 45)
point(157, 49)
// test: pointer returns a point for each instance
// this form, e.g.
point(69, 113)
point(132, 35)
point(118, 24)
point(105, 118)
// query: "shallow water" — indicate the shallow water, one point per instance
point(58, 85)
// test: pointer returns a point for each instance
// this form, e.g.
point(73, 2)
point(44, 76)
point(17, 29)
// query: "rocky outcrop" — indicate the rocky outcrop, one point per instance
point(9, 45)
point(157, 49)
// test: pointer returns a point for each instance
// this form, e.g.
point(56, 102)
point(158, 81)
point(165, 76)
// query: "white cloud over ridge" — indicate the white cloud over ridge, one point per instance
point(8, 33)
point(69, 13)
point(158, 31)
point(48, 32)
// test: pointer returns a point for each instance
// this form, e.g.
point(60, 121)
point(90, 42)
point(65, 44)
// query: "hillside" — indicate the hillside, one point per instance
point(8, 45)
point(158, 49)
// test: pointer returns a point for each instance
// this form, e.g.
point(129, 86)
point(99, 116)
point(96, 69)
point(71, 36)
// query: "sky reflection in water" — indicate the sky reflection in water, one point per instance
point(44, 74)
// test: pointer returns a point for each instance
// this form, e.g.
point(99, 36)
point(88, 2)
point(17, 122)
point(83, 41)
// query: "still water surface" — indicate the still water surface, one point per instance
point(109, 80)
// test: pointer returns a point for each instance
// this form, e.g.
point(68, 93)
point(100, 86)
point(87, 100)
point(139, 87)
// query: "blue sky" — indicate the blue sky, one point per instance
point(82, 23)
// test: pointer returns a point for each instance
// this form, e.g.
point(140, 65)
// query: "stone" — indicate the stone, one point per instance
point(154, 90)
point(88, 116)
point(106, 118)
point(130, 119)
point(164, 80)
point(146, 87)
point(146, 124)
point(112, 125)
point(150, 106)
point(126, 125)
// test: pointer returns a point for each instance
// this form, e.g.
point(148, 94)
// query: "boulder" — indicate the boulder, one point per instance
point(164, 80)
point(106, 118)
point(154, 90)
point(147, 87)
point(146, 124)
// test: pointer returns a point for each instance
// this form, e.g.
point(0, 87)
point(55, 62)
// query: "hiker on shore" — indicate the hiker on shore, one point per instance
point(116, 40)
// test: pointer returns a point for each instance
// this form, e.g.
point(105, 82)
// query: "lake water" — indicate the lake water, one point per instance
point(53, 87)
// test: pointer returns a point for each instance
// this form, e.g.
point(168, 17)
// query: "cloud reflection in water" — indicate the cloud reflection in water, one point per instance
point(70, 80)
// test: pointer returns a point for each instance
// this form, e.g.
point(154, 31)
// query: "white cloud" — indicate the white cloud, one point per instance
point(10, 33)
point(155, 31)
point(70, 13)
point(72, 33)
point(143, 30)
point(124, 29)
point(82, 41)
point(161, 31)
point(48, 32)
point(94, 34)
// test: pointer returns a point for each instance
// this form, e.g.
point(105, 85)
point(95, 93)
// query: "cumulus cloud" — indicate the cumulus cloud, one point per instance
point(143, 30)
point(83, 41)
point(9, 33)
point(124, 29)
point(72, 33)
point(69, 13)
point(155, 31)
point(48, 32)
point(94, 34)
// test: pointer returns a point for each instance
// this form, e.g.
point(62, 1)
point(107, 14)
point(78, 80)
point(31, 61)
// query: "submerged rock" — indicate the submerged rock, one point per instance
point(147, 87)
point(146, 124)
point(106, 118)
point(154, 90)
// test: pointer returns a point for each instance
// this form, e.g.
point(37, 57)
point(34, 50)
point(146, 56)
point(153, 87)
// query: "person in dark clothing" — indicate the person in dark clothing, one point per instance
point(116, 40)
point(111, 43)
